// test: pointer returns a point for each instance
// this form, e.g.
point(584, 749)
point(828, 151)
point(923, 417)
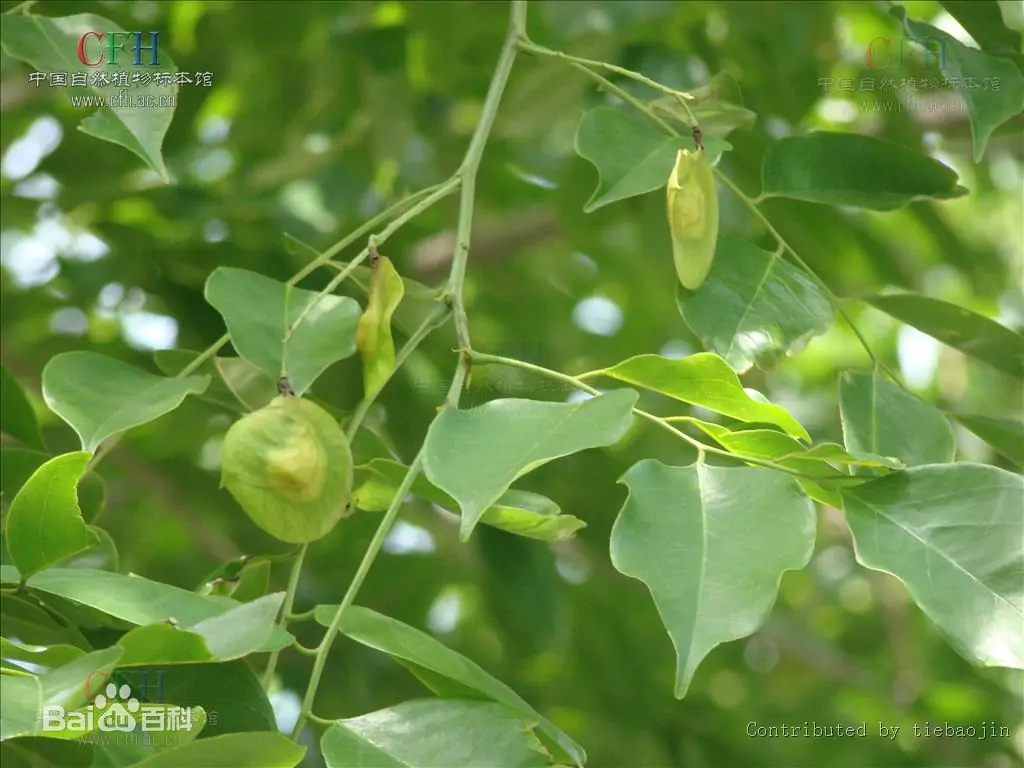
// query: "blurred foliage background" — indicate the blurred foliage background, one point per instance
point(321, 114)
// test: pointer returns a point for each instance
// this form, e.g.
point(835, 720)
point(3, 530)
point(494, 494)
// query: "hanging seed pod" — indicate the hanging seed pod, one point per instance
point(692, 216)
point(289, 466)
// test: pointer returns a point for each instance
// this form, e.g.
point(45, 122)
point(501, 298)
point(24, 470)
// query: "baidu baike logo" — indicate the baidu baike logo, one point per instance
point(116, 716)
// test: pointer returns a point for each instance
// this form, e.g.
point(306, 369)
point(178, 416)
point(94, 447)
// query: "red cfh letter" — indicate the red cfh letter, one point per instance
point(81, 49)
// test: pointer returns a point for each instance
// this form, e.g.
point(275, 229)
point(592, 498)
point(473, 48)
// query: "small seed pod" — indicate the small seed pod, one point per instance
point(692, 217)
point(289, 466)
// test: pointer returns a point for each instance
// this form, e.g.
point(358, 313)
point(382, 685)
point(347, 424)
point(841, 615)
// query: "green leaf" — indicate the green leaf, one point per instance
point(135, 599)
point(289, 466)
point(230, 635)
point(260, 312)
point(44, 524)
point(100, 396)
point(954, 535)
point(431, 733)
point(987, 108)
point(632, 155)
point(17, 465)
point(41, 655)
point(249, 384)
point(21, 699)
point(881, 418)
point(984, 22)
point(231, 750)
point(74, 685)
point(753, 307)
point(373, 336)
point(431, 661)
point(242, 578)
point(519, 512)
point(17, 417)
point(850, 169)
point(1005, 435)
point(475, 455)
point(49, 44)
point(784, 450)
point(711, 544)
point(705, 380)
point(973, 334)
point(253, 582)
point(31, 624)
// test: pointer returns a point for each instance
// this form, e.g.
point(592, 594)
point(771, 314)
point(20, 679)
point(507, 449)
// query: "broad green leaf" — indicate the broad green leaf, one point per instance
point(21, 699)
point(41, 655)
point(705, 380)
point(435, 732)
point(632, 155)
point(373, 336)
point(231, 750)
point(261, 315)
point(137, 600)
point(711, 544)
point(983, 21)
point(986, 107)
point(817, 461)
point(973, 334)
point(17, 418)
point(854, 170)
point(475, 455)
point(519, 512)
point(100, 396)
point(1005, 435)
point(432, 661)
point(74, 684)
point(289, 466)
point(172, 362)
point(883, 419)
point(249, 384)
point(954, 535)
point(243, 578)
point(44, 524)
point(50, 43)
point(254, 581)
point(17, 465)
point(753, 308)
point(31, 624)
point(231, 635)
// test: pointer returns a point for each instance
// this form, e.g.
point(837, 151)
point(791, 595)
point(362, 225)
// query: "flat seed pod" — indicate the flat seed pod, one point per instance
point(289, 466)
point(692, 216)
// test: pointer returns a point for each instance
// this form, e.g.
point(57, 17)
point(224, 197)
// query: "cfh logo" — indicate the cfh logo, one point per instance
point(886, 53)
point(98, 48)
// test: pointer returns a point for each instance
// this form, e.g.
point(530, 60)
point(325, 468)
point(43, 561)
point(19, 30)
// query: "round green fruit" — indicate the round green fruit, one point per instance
point(289, 466)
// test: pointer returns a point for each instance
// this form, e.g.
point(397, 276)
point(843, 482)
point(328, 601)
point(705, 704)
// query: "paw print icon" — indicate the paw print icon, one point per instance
point(117, 708)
